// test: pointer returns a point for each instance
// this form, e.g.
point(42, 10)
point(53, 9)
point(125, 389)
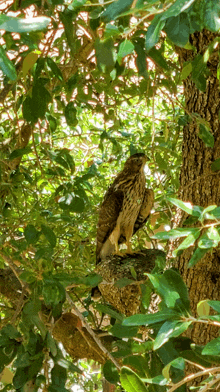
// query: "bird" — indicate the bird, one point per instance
point(125, 208)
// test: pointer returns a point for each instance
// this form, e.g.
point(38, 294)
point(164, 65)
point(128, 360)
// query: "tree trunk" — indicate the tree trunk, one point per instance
point(198, 183)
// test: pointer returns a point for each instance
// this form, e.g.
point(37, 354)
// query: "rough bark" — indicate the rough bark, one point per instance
point(199, 184)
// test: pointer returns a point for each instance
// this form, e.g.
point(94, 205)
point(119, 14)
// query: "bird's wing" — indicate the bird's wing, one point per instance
point(108, 215)
point(144, 213)
point(147, 205)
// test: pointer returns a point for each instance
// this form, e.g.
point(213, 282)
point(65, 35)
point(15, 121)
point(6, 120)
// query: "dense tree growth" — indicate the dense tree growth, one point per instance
point(84, 84)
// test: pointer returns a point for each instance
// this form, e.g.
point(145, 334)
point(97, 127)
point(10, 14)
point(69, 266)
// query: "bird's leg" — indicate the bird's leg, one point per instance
point(114, 237)
point(117, 251)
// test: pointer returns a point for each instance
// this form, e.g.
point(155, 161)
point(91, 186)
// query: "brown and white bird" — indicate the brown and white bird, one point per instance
point(125, 208)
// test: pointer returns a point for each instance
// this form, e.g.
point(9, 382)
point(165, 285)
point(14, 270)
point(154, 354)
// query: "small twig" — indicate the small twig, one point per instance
point(193, 376)
point(20, 304)
point(133, 5)
point(9, 261)
point(100, 4)
point(194, 320)
point(194, 364)
point(90, 331)
point(35, 150)
point(89, 344)
point(210, 384)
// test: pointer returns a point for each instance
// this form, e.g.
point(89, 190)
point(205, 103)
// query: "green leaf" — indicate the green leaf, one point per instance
point(165, 332)
point(169, 330)
point(176, 8)
point(137, 363)
point(31, 234)
point(7, 66)
point(53, 293)
point(49, 234)
point(213, 235)
point(156, 56)
point(153, 32)
point(189, 241)
point(19, 152)
point(22, 360)
point(105, 55)
point(111, 31)
point(69, 365)
point(20, 378)
point(110, 372)
point(197, 255)
point(28, 277)
point(59, 377)
point(130, 381)
point(123, 331)
point(212, 348)
point(212, 15)
point(77, 205)
point(141, 61)
point(72, 203)
point(175, 233)
point(186, 71)
point(10, 331)
point(187, 207)
point(214, 305)
point(27, 110)
point(199, 70)
point(123, 282)
point(29, 62)
point(203, 308)
point(205, 242)
point(36, 106)
point(215, 165)
point(206, 136)
point(196, 358)
point(176, 24)
point(76, 4)
point(205, 360)
point(149, 319)
point(3, 18)
point(70, 114)
point(158, 380)
point(32, 307)
point(178, 29)
point(111, 312)
point(53, 66)
point(125, 48)
point(51, 344)
point(115, 9)
point(92, 279)
point(67, 17)
point(177, 363)
point(20, 25)
point(172, 289)
point(52, 122)
point(205, 213)
point(64, 159)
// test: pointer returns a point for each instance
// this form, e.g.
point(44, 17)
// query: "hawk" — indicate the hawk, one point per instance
point(125, 208)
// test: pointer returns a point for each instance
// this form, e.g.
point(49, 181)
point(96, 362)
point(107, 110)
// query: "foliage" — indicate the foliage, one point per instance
point(85, 84)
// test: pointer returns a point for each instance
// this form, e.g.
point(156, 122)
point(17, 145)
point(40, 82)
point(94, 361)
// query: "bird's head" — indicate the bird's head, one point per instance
point(136, 162)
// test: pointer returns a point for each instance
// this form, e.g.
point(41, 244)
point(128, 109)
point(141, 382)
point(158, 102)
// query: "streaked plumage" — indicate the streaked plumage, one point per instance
point(125, 208)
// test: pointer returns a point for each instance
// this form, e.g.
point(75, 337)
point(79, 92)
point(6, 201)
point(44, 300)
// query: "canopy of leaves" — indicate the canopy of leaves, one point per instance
point(84, 84)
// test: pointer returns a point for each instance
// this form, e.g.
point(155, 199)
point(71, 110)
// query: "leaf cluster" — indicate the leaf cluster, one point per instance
point(95, 83)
